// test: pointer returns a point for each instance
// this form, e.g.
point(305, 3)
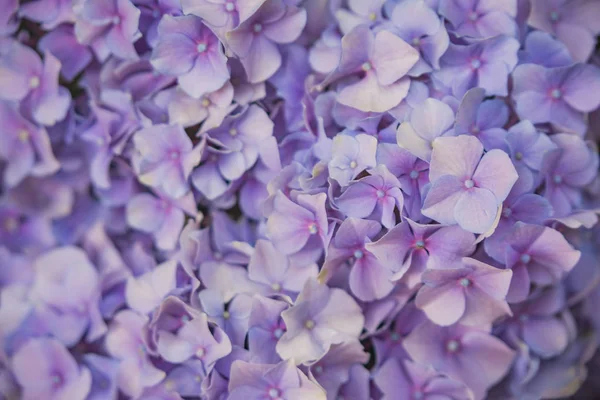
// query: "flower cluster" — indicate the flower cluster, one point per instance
point(298, 199)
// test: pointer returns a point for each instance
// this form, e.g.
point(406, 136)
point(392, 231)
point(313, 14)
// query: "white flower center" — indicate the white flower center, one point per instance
point(258, 28)
point(319, 369)
point(233, 132)
point(34, 82)
point(452, 345)
point(23, 135)
point(464, 282)
point(366, 66)
point(419, 244)
point(358, 254)
point(205, 102)
point(414, 174)
point(554, 16)
point(525, 258)
point(226, 314)
point(229, 6)
point(312, 228)
point(278, 333)
point(475, 64)
point(372, 16)
point(507, 212)
point(309, 324)
point(473, 16)
point(201, 352)
point(556, 94)
point(380, 194)
point(201, 47)
point(518, 156)
point(469, 183)
point(557, 179)
point(353, 164)
point(274, 393)
point(418, 395)
point(276, 286)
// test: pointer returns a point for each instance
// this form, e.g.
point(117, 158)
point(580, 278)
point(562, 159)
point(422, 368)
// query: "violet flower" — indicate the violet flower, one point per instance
point(223, 15)
point(45, 369)
point(265, 328)
point(467, 189)
point(559, 95)
point(255, 40)
point(189, 50)
point(109, 27)
point(63, 44)
point(359, 13)
point(50, 13)
point(320, 317)
point(350, 155)
point(481, 18)
point(383, 60)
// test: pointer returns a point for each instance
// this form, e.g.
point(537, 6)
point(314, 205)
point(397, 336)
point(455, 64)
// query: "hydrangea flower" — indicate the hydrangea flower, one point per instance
point(557, 95)
point(50, 13)
point(473, 294)
point(63, 44)
point(45, 369)
point(383, 59)
point(224, 15)
point(265, 327)
point(109, 27)
point(264, 381)
point(485, 63)
point(320, 317)
point(255, 40)
point(536, 254)
point(481, 18)
point(359, 13)
point(467, 189)
point(350, 155)
point(189, 50)
point(166, 158)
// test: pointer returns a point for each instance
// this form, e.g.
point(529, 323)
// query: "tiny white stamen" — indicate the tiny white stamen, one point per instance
point(226, 314)
point(464, 282)
point(23, 135)
point(419, 244)
point(452, 345)
point(518, 156)
point(525, 258)
point(200, 352)
point(380, 194)
point(319, 369)
point(278, 333)
point(258, 28)
point(372, 16)
point(507, 212)
point(201, 47)
point(554, 16)
point(34, 82)
point(475, 64)
point(416, 41)
point(418, 395)
point(174, 155)
point(414, 174)
point(556, 94)
point(116, 20)
point(309, 324)
point(233, 132)
point(366, 66)
point(469, 183)
point(273, 393)
point(395, 337)
point(473, 16)
point(276, 287)
point(312, 228)
point(205, 102)
point(353, 164)
point(185, 318)
point(358, 254)
point(229, 6)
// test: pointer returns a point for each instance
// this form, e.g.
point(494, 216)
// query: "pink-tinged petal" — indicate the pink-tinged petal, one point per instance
point(392, 57)
point(442, 199)
point(431, 119)
point(359, 200)
point(447, 246)
point(262, 61)
point(207, 75)
point(476, 210)
point(369, 280)
point(408, 139)
point(356, 49)
point(288, 226)
point(547, 337)
point(496, 173)
point(457, 156)
point(288, 28)
point(582, 87)
point(444, 305)
point(369, 96)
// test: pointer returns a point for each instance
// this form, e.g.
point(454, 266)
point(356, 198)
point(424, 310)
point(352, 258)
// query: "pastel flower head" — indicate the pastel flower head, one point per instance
point(481, 18)
point(44, 368)
point(265, 328)
point(63, 44)
point(468, 355)
point(350, 155)
point(473, 294)
point(467, 189)
point(333, 369)
point(413, 380)
point(320, 317)
point(271, 381)
point(572, 23)
point(66, 290)
point(369, 279)
point(293, 226)
point(566, 170)
point(33, 83)
point(409, 248)
point(527, 148)
point(276, 271)
point(109, 27)
point(382, 60)
point(26, 147)
point(125, 342)
point(537, 254)
point(232, 317)
point(50, 13)
point(188, 49)
point(373, 197)
point(359, 13)
point(151, 13)
point(540, 314)
point(255, 40)
point(482, 119)
point(222, 15)
point(558, 95)
point(544, 49)
point(485, 63)
point(419, 25)
point(160, 216)
point(430, 120)
point(166, 158)
point(412, 173)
